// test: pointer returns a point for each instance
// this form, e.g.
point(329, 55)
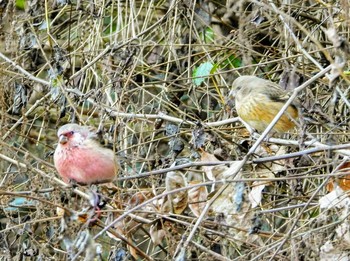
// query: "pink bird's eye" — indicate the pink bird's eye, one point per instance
point(68, 134)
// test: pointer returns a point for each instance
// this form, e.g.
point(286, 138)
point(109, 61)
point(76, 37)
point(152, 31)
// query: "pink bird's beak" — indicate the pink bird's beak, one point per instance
point(63, 139)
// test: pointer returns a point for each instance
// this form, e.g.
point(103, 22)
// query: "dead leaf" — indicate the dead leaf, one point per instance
point(132, 250)
point(220, 171)
point(175, 180)
point(343, 232)
point(255, 195)
point(329, 252)
point(157, 234)
point(208, 170)
point(197, 198)
point(232, 169)
point(126, 225)
point(60, 212)
point(140, 197)
point(337, 198)
point(342, 181)
point(235, 214)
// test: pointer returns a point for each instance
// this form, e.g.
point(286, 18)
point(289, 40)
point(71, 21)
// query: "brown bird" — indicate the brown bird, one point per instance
point(258, 101)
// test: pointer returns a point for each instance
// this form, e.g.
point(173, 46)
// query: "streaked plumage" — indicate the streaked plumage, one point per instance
point(258, 101)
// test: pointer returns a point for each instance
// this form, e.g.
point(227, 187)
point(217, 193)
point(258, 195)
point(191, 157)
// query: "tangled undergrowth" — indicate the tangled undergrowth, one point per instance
point(153, 78)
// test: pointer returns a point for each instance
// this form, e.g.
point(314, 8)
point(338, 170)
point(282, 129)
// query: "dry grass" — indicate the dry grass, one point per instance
point(126, 67)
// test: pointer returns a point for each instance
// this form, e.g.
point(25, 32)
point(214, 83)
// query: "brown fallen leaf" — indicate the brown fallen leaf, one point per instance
point(178, 201)
point(157, 234)
point(343, 181)
point(197, 198)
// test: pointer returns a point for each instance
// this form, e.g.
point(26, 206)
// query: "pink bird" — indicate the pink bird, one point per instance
point(80, 158)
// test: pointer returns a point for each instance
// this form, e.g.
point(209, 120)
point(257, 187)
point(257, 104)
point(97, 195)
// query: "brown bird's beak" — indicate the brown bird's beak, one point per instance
point(230, 100)
point(232, 94)
point(63, 139)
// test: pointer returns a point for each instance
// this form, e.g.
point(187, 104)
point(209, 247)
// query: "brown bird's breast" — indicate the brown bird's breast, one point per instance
point(259, 111)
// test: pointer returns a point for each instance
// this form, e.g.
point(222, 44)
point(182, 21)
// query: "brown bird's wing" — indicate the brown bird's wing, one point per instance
point(275, 92)
point(279, 95)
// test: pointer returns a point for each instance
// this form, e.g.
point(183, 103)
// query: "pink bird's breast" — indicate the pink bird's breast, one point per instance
point(85, 165)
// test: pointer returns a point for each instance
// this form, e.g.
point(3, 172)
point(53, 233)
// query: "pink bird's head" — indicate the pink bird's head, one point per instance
point(72, 135)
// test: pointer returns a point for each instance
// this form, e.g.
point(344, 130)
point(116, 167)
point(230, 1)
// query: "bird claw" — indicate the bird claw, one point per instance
point(256, 136)
point(246, 125)
point(94, 198)
point(72, 183)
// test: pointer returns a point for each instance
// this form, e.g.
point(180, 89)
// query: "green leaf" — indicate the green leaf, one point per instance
point(20, 4)
point(202, 72)
point(184, 98)
point(110, 26)
point(55, 81)
point(207, 35)
point(232, 62)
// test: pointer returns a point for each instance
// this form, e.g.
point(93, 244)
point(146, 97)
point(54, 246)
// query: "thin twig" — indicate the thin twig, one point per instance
point(23, 71)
